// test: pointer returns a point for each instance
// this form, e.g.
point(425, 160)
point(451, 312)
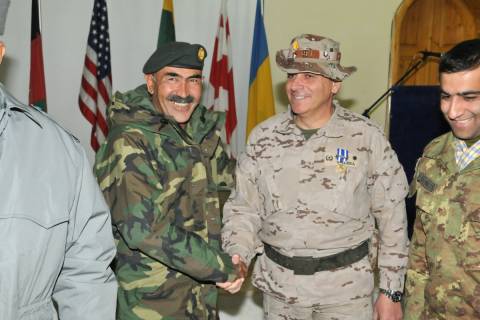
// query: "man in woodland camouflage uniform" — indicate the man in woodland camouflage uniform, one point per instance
point(443, 277)
point(160, 170)
point(312, 185)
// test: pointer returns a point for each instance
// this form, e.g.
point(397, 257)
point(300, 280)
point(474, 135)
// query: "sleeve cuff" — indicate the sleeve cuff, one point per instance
point(245, 254)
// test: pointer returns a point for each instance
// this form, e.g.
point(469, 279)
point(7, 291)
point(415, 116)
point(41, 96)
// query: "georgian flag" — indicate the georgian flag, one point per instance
point(220, 95)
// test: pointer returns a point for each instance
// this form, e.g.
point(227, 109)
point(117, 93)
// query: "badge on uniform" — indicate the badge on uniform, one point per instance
point(426, 182)
point(341, 159)
point(342, 156)
point(343, 162)
point(201, 54)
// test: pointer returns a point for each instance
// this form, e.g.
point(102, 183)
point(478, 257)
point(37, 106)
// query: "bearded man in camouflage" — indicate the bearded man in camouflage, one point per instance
point(312, 185)
point(443, 277)
point(160, 170)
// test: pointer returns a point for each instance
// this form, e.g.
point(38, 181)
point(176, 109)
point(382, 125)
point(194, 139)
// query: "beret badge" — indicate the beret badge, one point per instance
point(201, 54)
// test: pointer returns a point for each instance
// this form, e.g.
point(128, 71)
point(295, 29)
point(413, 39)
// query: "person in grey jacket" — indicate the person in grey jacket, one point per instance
point(56, 235)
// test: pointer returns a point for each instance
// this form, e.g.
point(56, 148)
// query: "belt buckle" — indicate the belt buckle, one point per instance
point(305, 268)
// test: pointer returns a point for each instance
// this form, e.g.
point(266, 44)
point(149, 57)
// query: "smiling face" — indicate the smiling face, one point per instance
point(460, 102)
point(311, 96)
point(175, 92)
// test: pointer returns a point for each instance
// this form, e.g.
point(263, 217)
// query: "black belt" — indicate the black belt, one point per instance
point(310, 265)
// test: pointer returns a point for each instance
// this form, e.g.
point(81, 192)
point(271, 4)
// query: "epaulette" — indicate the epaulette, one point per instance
point(26, 113)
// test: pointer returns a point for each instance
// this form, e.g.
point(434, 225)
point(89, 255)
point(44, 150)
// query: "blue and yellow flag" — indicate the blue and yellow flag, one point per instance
point(261, 104)
point(167, 27)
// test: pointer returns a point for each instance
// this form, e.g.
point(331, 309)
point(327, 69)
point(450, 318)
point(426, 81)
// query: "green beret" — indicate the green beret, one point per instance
point(176, 54)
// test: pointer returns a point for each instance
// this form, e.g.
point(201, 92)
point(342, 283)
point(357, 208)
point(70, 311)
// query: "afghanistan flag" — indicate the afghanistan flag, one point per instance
point(37, 93)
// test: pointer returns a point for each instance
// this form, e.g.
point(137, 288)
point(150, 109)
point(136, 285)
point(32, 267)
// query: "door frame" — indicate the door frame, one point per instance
point(395, 43)
point(396, 27)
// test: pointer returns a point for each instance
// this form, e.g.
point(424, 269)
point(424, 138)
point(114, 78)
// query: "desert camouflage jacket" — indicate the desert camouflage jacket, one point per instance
point(318, 197)
point(443, 277)
point(161, 182)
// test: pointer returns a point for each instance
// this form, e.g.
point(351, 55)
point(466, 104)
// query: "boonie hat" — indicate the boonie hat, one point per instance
point(176, 54)
point(315, 54)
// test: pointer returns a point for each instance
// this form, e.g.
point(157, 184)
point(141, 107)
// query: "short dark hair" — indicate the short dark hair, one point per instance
point(464, 56)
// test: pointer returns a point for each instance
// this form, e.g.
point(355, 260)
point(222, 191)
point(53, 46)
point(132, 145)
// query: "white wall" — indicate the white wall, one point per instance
point(362, 27)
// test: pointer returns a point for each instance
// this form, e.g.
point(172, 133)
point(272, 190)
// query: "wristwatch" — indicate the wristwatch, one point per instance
point(395, 296)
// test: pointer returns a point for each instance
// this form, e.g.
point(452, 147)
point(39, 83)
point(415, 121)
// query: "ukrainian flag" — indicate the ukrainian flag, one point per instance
point(261, 104)
point(167, 27)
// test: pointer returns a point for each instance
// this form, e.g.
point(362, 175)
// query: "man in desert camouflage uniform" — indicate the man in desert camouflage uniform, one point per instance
point(160, 170)
point(443, 277)
point(312, 185)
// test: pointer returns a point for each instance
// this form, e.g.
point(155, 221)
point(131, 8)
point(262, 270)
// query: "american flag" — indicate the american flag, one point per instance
point(221, 93)
point(96, 87)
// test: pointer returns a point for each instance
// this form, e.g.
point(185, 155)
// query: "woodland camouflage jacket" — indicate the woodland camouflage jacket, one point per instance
point(161, 182)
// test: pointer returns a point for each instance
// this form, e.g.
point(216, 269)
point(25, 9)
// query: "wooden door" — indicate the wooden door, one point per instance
point(427, 25)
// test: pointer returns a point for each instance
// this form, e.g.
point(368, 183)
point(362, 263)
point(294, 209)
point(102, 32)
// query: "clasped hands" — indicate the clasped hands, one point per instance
point(241, 270)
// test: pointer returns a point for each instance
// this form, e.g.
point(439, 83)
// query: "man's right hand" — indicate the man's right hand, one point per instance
point(242, 271)
point(240, 266)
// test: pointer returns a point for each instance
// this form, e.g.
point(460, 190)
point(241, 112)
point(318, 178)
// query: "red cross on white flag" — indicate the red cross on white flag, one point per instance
point(220, 93)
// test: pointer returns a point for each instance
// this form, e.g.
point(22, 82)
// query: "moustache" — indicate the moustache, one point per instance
point(178, 99)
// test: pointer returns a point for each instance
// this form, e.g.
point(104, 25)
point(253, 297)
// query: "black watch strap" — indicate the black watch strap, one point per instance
point(395, 296)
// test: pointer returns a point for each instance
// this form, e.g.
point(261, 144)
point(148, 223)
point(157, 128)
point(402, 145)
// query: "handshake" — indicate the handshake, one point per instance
point(241, 270)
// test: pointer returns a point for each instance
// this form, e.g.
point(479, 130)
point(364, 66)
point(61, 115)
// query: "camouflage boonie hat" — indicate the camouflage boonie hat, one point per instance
point(315, 54)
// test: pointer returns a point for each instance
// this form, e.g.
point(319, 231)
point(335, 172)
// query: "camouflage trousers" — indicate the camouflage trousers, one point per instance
point(358, 309)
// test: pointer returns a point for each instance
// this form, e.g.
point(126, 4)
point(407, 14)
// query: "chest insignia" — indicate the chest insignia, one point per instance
point(342, 159)
point(426, 182)
point(342, 156)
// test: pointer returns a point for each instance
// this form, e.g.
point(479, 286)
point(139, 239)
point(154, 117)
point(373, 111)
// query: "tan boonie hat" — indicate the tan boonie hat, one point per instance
point(315, 54)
